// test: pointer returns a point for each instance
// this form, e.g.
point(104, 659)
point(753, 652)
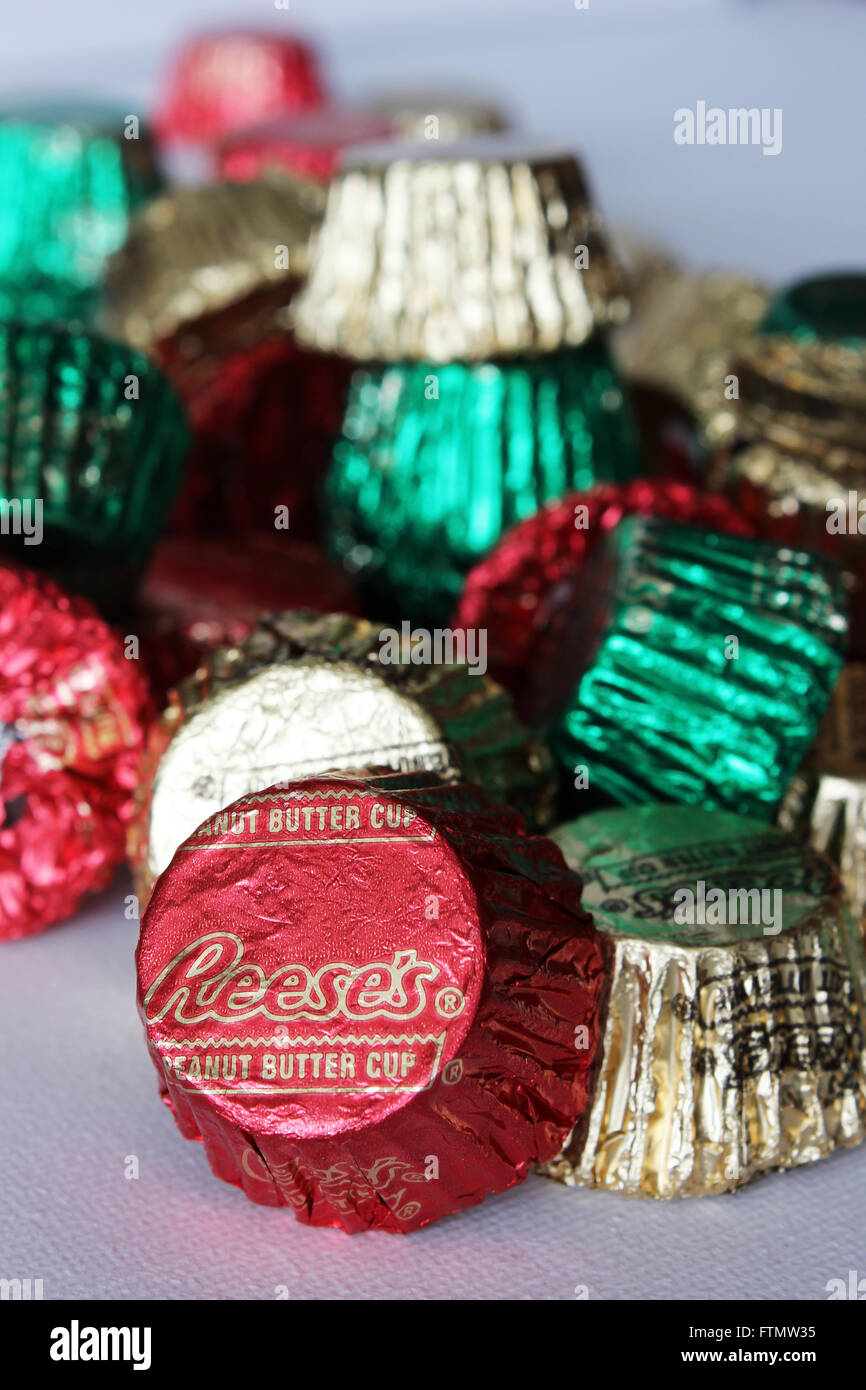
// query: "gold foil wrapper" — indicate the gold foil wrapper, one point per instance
point(417, 116)
point(684, 331)
point(727, 1052)
point(200, 251)
point(827, 799)
point(306, 694)
point(464, 254)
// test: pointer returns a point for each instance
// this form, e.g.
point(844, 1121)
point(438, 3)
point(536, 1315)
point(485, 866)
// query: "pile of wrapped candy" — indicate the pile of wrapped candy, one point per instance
point(457, 622)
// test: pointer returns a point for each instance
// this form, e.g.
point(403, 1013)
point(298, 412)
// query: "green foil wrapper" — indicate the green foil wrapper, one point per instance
point(734, 1041)
point(436, 462)
point(70, 179)
point(705, 663)
point(93, 432)
point(830, 307)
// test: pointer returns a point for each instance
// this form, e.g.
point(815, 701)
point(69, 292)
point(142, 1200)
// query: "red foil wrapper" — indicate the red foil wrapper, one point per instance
point(72, 709)
point(310, 144)
point(264, 421)
point(373, 998)
point(526, 590)
point(222, 82)
point(202, 593)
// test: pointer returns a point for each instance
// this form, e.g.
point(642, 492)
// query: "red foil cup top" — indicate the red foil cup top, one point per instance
point(203, 593)
point(225, 81)
point(72, 708)
point(524, 593)
point(309, 144)
point(346, 977)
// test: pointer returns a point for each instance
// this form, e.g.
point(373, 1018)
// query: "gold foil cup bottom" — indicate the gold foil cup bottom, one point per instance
point(724, 1058)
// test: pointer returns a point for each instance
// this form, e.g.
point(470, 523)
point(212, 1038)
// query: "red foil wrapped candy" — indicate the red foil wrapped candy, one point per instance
point(225, 81)
point(310, 144)
point(524, 593)
point(201, 593)
point(71, 724)
point(373, 998)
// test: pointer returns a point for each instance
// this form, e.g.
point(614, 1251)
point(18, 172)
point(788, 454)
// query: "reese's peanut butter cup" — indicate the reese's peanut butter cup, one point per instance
point(526, 591)
point(373, 999)
point(734, 1035)
point(310, 144)
point(831, 307)
point(197, 254)
point(71, 177)
point(827, 799)
point(72, 717)
point(684, 331)
point(92, 441)
point(797, 461)
point(706, 662)
point(436, 462)
point(468, 253)
point(225, 80)
point(305, 693)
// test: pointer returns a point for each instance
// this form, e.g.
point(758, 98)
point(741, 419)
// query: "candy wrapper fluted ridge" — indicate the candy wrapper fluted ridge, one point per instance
point(734, 1034)
point(307, 693)
point(72, 714)
point(396, 1012)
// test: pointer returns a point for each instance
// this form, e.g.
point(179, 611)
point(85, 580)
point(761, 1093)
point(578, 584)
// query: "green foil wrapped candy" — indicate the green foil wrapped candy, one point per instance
point(436, 462)
point(92, 432)
point(827, 307)
point(705, 663)
point(70, 177)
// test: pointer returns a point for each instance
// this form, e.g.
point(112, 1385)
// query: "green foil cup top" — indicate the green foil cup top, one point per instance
point(830, 307)
point(668, 873)
point(436, 462)
point(92, 431)
point(70, 178)
point(704, 667)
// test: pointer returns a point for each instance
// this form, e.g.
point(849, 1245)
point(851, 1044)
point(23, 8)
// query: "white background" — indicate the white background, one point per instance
point(78, 1091)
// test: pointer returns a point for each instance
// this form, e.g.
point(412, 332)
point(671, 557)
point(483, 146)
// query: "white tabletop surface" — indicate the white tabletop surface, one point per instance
point(78, 1092)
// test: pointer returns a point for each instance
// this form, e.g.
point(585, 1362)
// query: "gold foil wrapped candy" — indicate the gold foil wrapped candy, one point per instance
point(799, 451)
point(734, 1039)
point(827, 799)
point(200, 251)
point(683, 332)
point(306, 693)
point(460, 254)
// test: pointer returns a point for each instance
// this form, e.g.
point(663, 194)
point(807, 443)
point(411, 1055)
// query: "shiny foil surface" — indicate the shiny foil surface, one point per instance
point(459, 255)
point(728, 1049)
point(665, 707)
point(831, 307)
point(306, 693)
point(264, 419)
point(72, 709)
point(202, 593)
point(827, 799)
point(436, 462)
point(93, 431)
point(684, 330)
point(799, 453)
point(71, 177)
point(363, 996)
point(526, 592)
point(224, 81)
point(198, 251)
point(310, 145)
